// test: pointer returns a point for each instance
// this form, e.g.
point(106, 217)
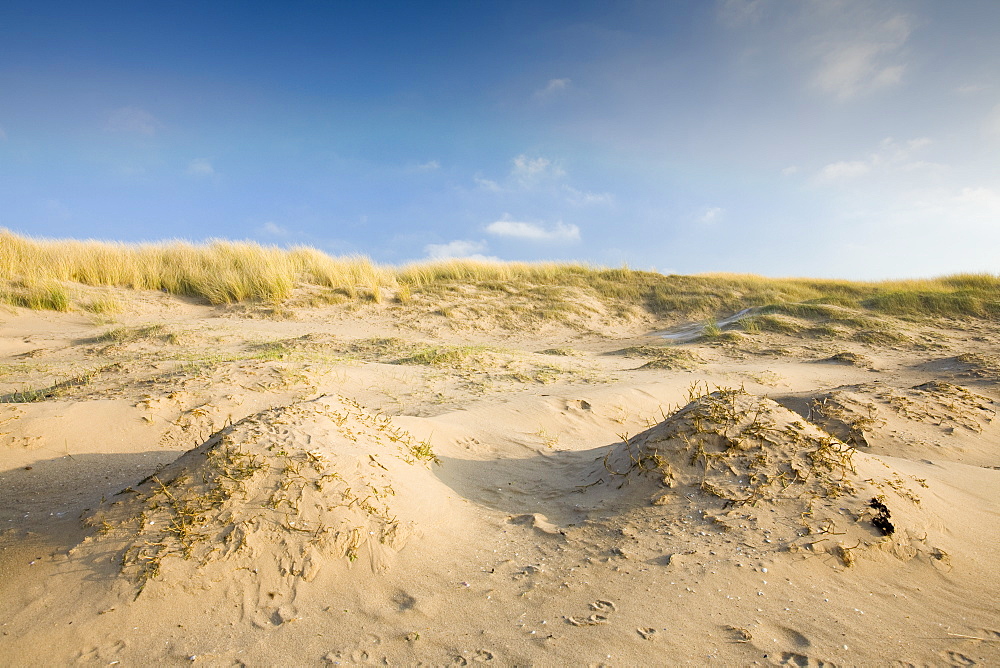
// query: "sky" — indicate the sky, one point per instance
point(851, 139)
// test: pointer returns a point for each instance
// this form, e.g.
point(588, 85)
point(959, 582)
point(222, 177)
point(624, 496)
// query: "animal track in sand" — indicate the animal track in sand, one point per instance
point(478, 656)
point(601, 608)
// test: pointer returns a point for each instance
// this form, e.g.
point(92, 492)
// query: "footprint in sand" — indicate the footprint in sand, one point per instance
point(957, 659)
point(602, 609)
point(795, 659)
point(355, 658)
point(479, 656)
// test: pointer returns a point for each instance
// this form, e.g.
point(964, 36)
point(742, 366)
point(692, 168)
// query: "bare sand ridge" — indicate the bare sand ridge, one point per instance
point(379, 482)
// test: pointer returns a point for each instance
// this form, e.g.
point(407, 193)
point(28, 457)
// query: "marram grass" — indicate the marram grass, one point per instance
point(40, 273)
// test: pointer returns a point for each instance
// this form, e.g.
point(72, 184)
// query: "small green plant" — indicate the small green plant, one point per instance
point(422, 451)
point(711, 330)
point(749, 324)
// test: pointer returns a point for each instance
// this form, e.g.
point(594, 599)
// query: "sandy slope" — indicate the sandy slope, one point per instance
point(212, 486)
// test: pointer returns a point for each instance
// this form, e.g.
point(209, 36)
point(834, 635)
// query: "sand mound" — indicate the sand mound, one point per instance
point(287, 490)
point(936, 419)
point(738, 461)
point(849, 413)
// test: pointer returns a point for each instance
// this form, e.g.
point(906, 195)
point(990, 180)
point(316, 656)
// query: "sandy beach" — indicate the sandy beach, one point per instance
point(373, 483)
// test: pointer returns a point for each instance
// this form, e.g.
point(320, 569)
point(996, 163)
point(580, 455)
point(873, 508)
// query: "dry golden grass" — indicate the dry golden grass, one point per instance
point(34, 273)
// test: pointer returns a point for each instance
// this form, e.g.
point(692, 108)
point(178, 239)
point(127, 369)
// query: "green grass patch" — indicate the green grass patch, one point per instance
point(768, 323)
point(913, 303)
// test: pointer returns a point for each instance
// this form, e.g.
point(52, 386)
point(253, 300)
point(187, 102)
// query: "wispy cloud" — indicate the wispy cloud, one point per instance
point(429, 166)
point(584, 198)
point(133, 120)
point(487, 184)
point(271, 228)
point(3, 135)
point(533, 231)
point(843, 170)
point(890, 155)
point(551, 89)
point(200, 167)
point(529, 171)
point(864, 61)
point(526, 173)
point(712, 215)
point(458, 249)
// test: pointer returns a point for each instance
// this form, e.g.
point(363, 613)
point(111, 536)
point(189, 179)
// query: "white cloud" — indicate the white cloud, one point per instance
point(458, 249)
point(553, 87)
point(273, 229)
point(867, 60)
point(429, 166)
point(528, 171)
point(584, 198)
point(841, 171)
point(200, 167)
point(487, 184)
point(133, 120)
point(534, 232)
point(790, 170)
point(890, 155)
point(3, 135)
point(539, 175)
point(712, 215)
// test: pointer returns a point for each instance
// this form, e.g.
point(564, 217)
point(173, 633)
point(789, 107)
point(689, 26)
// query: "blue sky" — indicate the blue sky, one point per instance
point(833, 138)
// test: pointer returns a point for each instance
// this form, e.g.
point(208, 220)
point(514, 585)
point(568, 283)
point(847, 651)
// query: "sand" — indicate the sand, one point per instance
point(368, 484)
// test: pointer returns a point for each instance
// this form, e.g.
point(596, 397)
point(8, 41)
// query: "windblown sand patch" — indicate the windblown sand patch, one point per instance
point(943, 404)
point(284, 492)
point(743, 463)
point(934, 419)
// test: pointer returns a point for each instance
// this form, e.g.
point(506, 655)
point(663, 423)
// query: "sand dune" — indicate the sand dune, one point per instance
point(359, 485)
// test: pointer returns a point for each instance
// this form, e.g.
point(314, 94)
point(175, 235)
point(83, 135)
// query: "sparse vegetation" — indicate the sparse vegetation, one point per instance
point(448, 356)
point(102, 305)
point(663, 357)
point(27, 396)
point(561, 352)
point(129, 334)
